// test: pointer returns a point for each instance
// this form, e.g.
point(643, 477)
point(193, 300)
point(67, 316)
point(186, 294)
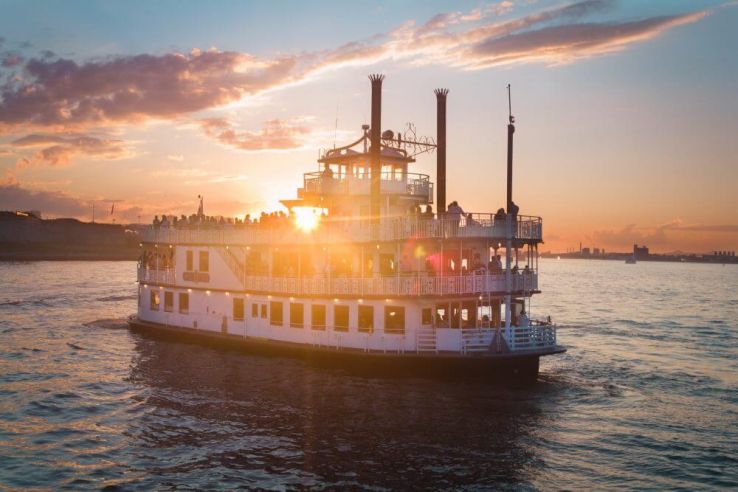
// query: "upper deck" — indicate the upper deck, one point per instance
point(484, 226)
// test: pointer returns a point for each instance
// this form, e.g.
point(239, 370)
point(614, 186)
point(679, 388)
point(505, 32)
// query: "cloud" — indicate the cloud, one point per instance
point(50, 92)
point(176, 158)
point(700, 236)
point(58, 150)
point(53, 203)
point(275, 134)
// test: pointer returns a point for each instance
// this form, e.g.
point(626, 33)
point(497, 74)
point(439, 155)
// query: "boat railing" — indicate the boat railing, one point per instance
point(391, 182)
point(387, 286)
point(341, 230)
point(157, 275)
point(536, 335)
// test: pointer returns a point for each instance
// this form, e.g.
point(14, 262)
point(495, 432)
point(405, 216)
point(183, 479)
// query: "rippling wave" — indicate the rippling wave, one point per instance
point(646, 397)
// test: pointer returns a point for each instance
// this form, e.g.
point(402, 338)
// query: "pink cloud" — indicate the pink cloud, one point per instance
point(275, 134)
point(57, 93)
point(58, 150)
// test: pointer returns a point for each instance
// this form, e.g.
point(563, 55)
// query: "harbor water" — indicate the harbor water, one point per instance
point(645, 397)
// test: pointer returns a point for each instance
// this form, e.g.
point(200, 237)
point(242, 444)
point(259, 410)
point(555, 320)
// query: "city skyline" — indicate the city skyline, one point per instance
point(626, 112)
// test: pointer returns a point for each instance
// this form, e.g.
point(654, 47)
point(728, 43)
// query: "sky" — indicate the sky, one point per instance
point(626, 111)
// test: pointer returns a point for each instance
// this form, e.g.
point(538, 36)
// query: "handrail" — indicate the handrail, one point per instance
point(355, 230)
point(416, 284)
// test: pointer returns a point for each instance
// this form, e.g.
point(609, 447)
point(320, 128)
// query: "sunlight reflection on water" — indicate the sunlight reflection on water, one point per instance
point(647, 395)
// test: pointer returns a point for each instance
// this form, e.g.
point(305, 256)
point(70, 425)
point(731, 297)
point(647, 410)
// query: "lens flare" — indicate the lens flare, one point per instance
point(306, 218)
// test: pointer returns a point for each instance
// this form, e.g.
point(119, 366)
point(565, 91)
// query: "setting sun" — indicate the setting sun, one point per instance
point(306, 218)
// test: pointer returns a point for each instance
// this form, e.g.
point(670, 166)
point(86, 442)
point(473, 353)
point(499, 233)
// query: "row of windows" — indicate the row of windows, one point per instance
point(155, 301)
point(204, 264)
point(394, 316)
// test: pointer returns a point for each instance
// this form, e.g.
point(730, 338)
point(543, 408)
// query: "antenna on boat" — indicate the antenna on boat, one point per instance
point(335, 129)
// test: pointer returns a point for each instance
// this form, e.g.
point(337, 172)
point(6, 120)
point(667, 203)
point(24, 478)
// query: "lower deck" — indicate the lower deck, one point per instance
point(448, 326)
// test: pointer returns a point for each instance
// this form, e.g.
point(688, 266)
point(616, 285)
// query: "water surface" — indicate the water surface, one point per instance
point(646, 397)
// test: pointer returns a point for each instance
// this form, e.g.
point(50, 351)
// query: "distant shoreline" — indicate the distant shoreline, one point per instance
point(708, 259)
point(13, 252)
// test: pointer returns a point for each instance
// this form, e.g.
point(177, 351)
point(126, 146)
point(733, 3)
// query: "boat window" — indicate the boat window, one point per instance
point(318, 317)
point(184, 303)
point(254, 310)
point(426, 316)
point(168, 301)
point(387, 263)
point(297, 314)
point(204, 261)
point(277, 316)
point(154, 300)
point(237, 309)
point(366, 318)
point(394, 319)
point(263, 310)
point(340, 318)
point(442, 315)
point(190, 262)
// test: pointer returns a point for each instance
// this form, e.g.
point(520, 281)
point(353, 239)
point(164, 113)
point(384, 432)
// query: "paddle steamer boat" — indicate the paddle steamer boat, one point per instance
point(361, 272)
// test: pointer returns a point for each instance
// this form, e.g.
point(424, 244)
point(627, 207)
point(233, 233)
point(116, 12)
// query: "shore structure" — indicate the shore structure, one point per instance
point(361, 271)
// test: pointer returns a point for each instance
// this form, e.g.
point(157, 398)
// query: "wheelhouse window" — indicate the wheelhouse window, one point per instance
point(264, 311)
point(168, 301)
point(184, 303)
point(317, 312)
point(238, 310)
point(297, 315)
point(254, 310)
point(154, 300)
point(190, 262)
point(276, 317)
point(204, 261)
point(366, 319)
point(394, 319)
point(340, 318)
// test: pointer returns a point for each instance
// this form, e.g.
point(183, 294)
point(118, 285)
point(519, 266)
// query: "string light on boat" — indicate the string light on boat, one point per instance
point(207, 292)
point(228, 293)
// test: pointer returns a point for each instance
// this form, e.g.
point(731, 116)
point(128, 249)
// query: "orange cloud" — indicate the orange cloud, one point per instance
point(59, 150)
point(275, 135)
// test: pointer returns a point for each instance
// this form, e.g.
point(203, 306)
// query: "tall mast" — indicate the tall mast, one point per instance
point(510, 131)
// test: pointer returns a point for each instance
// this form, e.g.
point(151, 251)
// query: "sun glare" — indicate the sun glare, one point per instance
point(306, 218)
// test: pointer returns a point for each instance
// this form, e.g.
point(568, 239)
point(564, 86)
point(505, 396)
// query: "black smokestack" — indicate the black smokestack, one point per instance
point(376, 139)
point(441, 155)
point(510, 132)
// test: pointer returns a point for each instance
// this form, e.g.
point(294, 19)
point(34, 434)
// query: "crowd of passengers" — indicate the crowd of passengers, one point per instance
point(453, 214)
point(151, 259)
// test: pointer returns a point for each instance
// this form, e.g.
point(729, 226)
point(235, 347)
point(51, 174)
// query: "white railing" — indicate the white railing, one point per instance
point(388, 286)
point(331, 231)
point(537, 335)
point(156, 276)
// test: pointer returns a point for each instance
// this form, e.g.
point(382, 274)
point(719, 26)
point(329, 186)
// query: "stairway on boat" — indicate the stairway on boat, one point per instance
point(425, 340)
point(235, 258)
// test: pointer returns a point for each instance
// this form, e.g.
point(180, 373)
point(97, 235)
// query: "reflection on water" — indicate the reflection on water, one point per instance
point(316, 426)
point(647, 396)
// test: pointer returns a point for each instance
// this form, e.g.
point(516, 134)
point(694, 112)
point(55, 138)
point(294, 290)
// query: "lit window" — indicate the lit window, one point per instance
point(154, 300)
point(184, 303)
point(340, 318)
point(318, 317)
point(394, 319)
point(276, 316)
point(168, 301)
point(238, 309)
point(190, 262)
point(204, 261)
point(366, 318)
point(297, 315)
point(254, 310)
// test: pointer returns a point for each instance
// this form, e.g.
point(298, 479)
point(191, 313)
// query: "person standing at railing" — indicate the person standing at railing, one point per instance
point(453, 216)
point(523, 320)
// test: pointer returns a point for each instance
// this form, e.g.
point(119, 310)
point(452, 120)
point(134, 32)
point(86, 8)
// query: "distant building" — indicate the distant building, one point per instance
point(640, 252)
point(585, 252)
point(596, 251)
